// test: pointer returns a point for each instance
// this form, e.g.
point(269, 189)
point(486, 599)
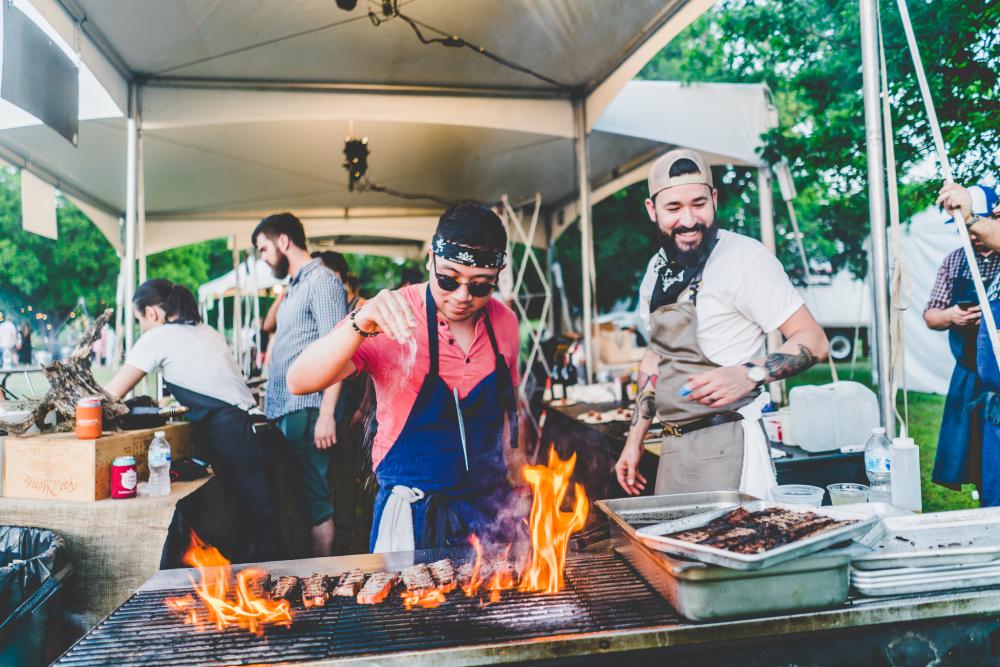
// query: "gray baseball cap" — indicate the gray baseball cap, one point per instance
point(659, 173)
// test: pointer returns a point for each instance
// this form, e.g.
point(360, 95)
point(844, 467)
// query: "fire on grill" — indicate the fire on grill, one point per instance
point(745, 532)
point(258, 601)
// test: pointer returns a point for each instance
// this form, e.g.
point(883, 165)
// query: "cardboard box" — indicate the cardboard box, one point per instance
point(57, 466)
point(616, 346)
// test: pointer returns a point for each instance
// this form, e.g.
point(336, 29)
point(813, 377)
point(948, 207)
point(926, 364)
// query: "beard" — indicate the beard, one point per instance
point(692, 257)
point(280, 267)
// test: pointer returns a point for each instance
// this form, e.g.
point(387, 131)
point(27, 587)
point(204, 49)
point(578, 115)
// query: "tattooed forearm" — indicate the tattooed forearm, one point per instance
point(781, 365)
point(645, 402)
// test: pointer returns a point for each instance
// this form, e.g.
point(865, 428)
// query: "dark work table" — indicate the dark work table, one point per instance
point(599, 445)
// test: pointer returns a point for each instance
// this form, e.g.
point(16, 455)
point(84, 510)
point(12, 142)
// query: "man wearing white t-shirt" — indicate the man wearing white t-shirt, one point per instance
point(709, 298)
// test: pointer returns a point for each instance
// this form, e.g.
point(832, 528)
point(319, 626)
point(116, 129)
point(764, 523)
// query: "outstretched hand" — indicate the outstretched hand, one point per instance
point(387, 312)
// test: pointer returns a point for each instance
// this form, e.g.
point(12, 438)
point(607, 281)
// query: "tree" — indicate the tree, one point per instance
point(808, 54)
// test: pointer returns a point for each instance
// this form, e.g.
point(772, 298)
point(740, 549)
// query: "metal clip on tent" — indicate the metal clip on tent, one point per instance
point(963, 233)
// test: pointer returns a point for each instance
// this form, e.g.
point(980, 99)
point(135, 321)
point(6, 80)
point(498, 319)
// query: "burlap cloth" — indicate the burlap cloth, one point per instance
point(114, 545)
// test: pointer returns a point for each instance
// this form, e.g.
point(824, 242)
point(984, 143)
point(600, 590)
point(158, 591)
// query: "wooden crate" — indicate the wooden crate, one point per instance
point(58, 466)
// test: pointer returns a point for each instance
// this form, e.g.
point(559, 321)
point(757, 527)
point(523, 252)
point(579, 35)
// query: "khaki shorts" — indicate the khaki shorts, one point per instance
point(707, 460)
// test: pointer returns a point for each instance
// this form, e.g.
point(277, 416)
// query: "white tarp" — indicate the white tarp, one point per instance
point(225, 285)
point(926, 241)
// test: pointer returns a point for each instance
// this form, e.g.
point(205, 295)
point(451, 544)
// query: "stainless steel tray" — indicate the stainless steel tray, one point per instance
point(941, 538)
point(949, 578)
point(656, 537)
point(703, 592)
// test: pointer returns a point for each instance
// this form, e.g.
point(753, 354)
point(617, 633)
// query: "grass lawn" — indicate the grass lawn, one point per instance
point(925, 421)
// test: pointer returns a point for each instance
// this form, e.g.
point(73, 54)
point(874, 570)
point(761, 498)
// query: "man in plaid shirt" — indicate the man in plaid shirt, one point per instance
point(314, 302)
point(954, 307)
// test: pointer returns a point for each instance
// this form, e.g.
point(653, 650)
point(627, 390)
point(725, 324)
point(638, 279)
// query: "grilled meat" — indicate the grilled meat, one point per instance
point(377, 588)
point(314, 591)
point(285, 588)
point(444, 574)
point(744, 532)
point(417, 578)
point(258, 583)
point(349, 584)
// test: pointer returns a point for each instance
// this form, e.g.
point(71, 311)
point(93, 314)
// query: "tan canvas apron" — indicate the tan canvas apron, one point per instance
point(709, 459)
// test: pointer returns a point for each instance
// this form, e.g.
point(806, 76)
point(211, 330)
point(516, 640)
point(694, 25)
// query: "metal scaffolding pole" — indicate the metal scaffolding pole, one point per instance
point(140, 199)
point(131, 165)
point(765, 198)
point(871, 92)
point(586, 232)
point(237, 303)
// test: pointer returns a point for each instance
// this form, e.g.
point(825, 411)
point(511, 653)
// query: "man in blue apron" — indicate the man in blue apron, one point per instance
point(443, 359)
point(954, 307)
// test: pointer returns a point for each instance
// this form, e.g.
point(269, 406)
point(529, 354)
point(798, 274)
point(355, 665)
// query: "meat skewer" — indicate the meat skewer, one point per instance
point(349, 584)
point(377, 588)
point(285, 588)
point(314, 591)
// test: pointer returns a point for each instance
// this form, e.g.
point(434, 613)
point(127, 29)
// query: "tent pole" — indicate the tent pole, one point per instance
point(765, 197)
point(131, 159)
point(237, 304)
point(877, 205)
point(140, 198)
point(550, 247)
point(586, 251)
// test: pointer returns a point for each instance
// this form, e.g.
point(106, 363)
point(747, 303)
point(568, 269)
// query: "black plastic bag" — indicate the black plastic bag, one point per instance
point(33, 561)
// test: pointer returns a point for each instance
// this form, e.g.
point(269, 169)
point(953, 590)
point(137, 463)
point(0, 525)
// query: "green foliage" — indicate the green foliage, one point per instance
point(377, 273)
point(191, 265)
point(52, 275)
point(808, 54)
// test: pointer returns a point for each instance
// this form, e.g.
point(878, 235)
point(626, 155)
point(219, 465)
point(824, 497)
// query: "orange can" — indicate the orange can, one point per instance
point(88, 418)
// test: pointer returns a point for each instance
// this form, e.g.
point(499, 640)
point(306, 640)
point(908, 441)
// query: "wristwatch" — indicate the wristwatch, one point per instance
point(756, 374)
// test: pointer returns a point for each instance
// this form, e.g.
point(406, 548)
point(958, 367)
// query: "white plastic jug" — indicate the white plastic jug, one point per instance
point(830, 416)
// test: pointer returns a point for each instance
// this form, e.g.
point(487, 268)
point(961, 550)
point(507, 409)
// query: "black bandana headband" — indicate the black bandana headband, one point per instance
point(462, 254)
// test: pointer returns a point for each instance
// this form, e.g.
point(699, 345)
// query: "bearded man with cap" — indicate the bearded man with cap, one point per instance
point(710, 297)
point(443, 359)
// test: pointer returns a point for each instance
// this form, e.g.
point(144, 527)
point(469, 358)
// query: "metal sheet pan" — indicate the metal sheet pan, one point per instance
point(703, 592)
point(946, 579)
point(656, 537)
point(941, 538)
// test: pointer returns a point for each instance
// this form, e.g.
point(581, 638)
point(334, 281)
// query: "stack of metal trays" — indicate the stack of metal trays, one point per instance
point(930, 552)
point(704, 592)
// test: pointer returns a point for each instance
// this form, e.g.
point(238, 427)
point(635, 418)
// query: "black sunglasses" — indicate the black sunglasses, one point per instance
point(449, 284)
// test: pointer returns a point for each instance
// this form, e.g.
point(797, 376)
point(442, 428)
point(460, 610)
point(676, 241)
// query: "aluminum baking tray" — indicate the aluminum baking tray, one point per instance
point(640, 511)
point(948, 578)
point(703, 592)
point(941, 538)
point(656, 537)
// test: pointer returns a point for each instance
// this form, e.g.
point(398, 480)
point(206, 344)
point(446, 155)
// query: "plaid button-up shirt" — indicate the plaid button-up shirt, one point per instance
point(314, 303)
point(952, 267)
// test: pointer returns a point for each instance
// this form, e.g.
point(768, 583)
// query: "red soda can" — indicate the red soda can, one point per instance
point(123, 477)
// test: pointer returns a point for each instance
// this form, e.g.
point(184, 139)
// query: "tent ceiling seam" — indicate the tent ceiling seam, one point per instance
point(96, 37)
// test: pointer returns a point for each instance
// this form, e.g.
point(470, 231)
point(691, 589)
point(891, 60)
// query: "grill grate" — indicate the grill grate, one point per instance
point(603, 593)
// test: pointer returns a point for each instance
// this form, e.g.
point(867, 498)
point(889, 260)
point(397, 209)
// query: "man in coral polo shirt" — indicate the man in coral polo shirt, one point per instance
point(443, 359)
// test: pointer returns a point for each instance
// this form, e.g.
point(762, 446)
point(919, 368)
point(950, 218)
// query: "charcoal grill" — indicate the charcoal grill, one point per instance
point(606, 609)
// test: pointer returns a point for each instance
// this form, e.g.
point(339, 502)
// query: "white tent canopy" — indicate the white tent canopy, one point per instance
point(237, 109)
point(260, 278)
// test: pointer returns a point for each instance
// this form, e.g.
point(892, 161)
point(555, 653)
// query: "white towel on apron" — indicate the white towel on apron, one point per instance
point(395, 528)
point(757, 477)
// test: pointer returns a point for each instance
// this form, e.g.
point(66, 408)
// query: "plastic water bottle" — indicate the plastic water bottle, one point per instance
point(877, 462)
point(158, 459)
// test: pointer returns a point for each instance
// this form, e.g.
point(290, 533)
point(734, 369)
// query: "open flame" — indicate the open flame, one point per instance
point(427, 599)
point(240, 606)
point(549, 526)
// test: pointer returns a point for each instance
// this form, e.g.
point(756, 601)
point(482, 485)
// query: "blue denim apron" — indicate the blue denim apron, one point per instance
point(989, 488)
point(428, 455)
point(956, 461)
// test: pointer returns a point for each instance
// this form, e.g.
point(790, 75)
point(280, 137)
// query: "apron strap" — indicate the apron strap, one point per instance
point(505, 381)
point(432, 333)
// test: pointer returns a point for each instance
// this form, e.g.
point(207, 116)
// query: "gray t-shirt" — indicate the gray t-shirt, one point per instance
point(314, 303)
